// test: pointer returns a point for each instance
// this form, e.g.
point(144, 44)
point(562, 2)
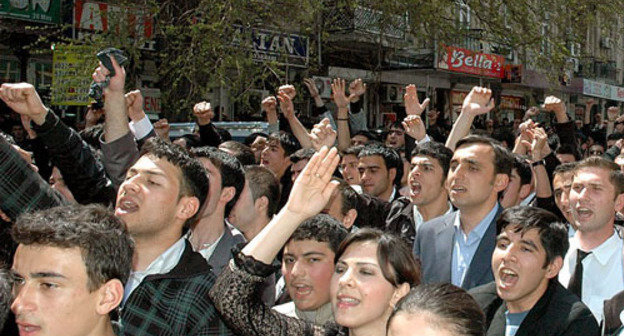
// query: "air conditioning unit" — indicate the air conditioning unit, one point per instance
point(393, 93)
point(606, 42)
point(323, 85)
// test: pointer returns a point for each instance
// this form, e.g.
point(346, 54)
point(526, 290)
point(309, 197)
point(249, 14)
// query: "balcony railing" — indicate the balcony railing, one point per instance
point(367, 20)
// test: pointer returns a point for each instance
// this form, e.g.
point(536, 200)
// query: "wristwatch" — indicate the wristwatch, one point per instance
point(538, 163)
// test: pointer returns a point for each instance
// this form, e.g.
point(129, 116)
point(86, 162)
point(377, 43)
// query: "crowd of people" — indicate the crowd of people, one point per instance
point(475, 228)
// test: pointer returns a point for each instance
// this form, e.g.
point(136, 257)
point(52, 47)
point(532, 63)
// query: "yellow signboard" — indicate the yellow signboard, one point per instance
point(71, 74)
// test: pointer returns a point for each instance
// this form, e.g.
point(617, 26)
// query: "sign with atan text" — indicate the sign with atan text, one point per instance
point(99, 16)
point(470, 62)
point(602, 90)
point(45, 11)
point(72, 66)
point(267, 45)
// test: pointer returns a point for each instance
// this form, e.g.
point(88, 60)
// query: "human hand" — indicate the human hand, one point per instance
point(414, 127)
point(115, 83)
point(93, 116)
point(356, 89)
point(554, 104)
point(23, 99)
point(539, 146)
point(322, 134)
point(203, 113)
point(412, 104)
point(289, 90)
point(338, 89)
point(26, 124)
point(612, 113)
point(134, 105)
point(313, 187)
point(309, 83)
point(161, 128)
point(478, 101)
point(531, 112)
point(590, 103)
point(286, 105)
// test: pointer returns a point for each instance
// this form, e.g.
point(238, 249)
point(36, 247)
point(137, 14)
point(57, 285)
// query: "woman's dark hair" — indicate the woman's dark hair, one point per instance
point(396, 260)
point(445, 306)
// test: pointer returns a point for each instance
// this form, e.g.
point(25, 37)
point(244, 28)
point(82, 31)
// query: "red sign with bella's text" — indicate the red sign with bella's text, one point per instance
point(467, 61)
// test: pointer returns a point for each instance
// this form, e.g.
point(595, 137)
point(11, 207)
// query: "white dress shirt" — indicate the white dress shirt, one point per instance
point(603, 275)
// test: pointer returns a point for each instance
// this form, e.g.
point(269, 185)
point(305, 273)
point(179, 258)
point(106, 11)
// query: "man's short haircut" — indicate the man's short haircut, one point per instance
point(390, 156)
point(350, 197)
point(353, 150)
point(446, 306)
point(523, 169)
point(241, 152)
point(5, 294)
point(616, 177)
point(287, 141)
point(321, 228)
point(367, 134)
point(231, 170)
point(252, 137)
point(396, 124)
point(503, 160)
point(194, 178)
point(263, 182)
point(103, 239)
point(435, 150)
point(565, 168)
point(569, 149)
point(553, 234)
point(302, 154)
point(615, 136)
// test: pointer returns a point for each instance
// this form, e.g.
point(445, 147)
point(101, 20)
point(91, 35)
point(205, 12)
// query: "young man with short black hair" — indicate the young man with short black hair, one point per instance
point(69, 270)
point(525, 297)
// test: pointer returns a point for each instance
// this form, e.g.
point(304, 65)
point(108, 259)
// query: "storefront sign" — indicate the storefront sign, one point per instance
point(45, 11)
point(99, 16)
point(72, 66)
point(602, 90)
point(267, 45)
point(506, 102)
point(467, 61)
point(151, 102)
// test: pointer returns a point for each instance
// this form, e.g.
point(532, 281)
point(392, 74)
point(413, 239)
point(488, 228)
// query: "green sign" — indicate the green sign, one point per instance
point(45, 11)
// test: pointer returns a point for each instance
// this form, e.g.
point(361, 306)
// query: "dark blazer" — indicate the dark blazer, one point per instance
point(434, 246)
point(558, 312)
point(223, 252)
point(612, 309)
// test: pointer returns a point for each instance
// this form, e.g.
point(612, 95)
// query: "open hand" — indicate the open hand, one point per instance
point(412, 104)
point(478, 101)
point(313, 187)
point(338, 89)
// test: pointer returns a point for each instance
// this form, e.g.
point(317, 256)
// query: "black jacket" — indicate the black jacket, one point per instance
point(558, 312)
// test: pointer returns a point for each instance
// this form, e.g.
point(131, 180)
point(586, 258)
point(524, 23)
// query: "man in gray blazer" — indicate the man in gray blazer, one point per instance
point(457, 247)
point(211, 236)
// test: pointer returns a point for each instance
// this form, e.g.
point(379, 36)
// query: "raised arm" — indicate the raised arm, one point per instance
point(66, 149)
point(116, 115)
point(342, 103)
point(286, 94)
point(478, 101)
point(208, 134)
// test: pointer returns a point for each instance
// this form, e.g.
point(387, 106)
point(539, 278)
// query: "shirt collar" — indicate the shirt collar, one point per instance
point(605, 251)
point(167, 260)
point(483, 225)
